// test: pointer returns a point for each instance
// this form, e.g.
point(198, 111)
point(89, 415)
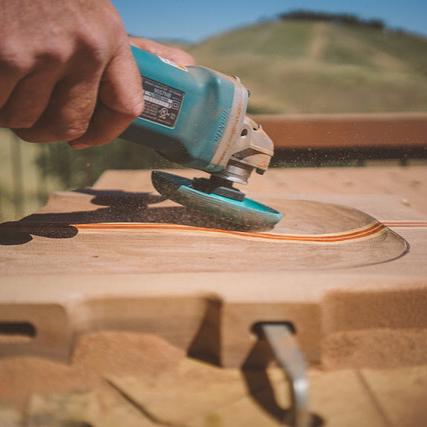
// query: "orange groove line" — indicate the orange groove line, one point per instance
point(407, 223)
point(373, 229)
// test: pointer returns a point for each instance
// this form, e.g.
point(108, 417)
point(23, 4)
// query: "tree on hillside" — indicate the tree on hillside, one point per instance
point(340, 18)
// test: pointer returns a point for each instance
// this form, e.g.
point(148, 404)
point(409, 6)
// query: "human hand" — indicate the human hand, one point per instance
point(66, 71)
point(176, 55)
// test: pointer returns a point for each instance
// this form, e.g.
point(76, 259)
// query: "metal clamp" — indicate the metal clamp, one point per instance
point(289, 357)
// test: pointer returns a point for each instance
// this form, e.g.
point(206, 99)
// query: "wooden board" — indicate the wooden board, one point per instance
point(337, 273)
point(143, 235)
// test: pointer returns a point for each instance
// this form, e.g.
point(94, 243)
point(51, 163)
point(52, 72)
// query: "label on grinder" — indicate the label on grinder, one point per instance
point(162, 102)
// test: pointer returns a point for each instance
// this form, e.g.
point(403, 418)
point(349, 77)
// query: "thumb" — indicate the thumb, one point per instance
point(174, 54)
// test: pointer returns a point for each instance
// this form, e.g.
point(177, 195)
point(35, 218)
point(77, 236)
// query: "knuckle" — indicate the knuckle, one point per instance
point(24, 123)
point(93, 48)
point(54, 55)
point(73, 131)
point(136, 108)
point(16, 121)
point(27, 122)
point(115, 23)
point(14, 61)
point(29, 136)
point(47, 133)
point(131, 107)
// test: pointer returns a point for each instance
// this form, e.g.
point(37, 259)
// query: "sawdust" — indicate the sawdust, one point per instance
point(96, 356)
point(23, 376)
point(104, 353)
point(374, 348)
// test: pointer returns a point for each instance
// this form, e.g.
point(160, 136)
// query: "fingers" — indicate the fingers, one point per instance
point(30, 98)
point(120, 100)
point(174, 54)
point(13, 67)
point(105, 126)
point(121, 85)
point(70, 108)
point(26, 83)
point(56, 98)
point(52, 60)
point(8, 82)
point(65, 100)
point(91, 107)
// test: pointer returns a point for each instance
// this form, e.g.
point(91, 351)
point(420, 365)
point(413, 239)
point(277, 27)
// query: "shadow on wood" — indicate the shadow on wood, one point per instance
point(120, 206)
point(260, 388)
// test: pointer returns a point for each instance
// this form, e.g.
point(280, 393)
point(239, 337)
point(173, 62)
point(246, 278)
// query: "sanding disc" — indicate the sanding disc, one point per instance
point(243, 214)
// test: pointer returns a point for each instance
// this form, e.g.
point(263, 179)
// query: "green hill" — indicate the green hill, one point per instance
point(313, 64)
point(309, 66)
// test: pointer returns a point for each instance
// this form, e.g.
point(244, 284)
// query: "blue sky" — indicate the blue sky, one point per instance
point(194, 20)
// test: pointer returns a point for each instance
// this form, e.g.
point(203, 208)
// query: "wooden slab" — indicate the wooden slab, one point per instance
point(144, 232)
point(113, 258)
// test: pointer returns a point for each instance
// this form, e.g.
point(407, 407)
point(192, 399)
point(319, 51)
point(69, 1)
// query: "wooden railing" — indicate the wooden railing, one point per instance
point(300, 140)
point(351, 136)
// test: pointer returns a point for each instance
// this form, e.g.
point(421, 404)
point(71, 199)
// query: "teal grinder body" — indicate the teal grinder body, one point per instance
point(196, 117)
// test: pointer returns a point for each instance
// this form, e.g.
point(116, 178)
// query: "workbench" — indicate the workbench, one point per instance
point(121, 295)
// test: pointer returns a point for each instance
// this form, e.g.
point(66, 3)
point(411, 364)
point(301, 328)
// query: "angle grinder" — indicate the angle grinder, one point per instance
point(196, 117)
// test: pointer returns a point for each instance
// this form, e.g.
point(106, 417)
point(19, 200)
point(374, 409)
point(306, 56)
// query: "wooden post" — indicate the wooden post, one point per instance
point(17, 176)
point(1, 204)
point(42, 190)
